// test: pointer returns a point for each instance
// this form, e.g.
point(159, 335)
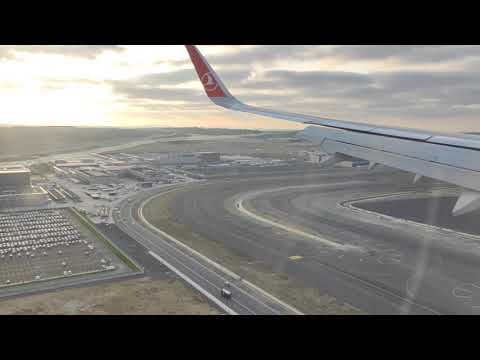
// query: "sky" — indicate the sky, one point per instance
point(424, 87)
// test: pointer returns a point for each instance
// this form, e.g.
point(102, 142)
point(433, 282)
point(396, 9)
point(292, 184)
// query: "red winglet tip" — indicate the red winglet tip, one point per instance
point(207, 77)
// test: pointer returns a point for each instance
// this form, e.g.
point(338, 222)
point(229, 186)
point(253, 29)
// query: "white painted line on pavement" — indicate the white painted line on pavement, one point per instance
point(208, 260)
point(172, 247)
point(194, 284)
point(179, 243)
point(248, 196)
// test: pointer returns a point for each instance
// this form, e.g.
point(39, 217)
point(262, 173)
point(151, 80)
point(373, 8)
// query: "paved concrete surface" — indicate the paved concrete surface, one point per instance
point(401, 269)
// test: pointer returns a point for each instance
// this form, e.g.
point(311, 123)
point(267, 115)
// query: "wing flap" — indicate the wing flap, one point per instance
point(456, 141)
point(406, 147)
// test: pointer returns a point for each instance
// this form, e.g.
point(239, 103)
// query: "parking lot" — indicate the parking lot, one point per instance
point(42, 245)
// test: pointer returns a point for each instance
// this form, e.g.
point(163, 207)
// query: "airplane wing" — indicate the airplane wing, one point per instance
point(453, 158)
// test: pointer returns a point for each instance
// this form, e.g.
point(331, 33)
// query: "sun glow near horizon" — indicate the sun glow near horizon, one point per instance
point(39, 89)
point(156, 86)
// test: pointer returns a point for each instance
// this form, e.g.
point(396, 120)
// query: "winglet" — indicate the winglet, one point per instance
point(214, 87)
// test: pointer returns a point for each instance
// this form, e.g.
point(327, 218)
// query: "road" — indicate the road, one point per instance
point(194, 268)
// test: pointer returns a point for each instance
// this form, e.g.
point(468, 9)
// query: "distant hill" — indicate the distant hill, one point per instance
point(19, 142)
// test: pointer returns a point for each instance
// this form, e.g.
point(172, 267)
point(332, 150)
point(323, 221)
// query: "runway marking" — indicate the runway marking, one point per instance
point(466, 291)
point(380, 289)
point(214, 264)
point(408, 303)
point(467, 294)
point(350, 204)
point(389, 256)
point(389, 259)
point(383, 290)
point(248, 196)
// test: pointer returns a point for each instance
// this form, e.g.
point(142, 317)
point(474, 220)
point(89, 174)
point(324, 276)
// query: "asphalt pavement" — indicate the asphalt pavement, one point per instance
point(194, 268)
point(402, 269)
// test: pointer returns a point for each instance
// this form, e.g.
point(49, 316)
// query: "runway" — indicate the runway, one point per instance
point(399, 269)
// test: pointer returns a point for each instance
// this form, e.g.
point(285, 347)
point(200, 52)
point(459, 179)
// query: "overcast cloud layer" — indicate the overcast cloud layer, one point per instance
point(435, 87)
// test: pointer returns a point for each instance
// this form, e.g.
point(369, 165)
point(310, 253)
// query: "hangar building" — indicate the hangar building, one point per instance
point(14, 177)
point(16, 189)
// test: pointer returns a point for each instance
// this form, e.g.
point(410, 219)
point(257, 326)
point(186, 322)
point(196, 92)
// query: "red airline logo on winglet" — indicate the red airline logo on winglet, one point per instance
point(212, 88)
point(209, 82)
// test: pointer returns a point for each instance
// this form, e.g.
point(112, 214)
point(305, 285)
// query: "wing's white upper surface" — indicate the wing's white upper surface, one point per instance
point(453, 158)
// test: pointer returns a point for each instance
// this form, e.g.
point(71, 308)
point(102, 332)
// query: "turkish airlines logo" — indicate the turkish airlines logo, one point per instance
point(209, 82)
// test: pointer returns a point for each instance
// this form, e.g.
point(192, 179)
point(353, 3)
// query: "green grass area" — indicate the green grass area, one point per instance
point(115, 249)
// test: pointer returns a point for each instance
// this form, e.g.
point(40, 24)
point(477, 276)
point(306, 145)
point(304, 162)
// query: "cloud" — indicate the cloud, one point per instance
point(269, 53)
point(443, 87)
point(447, 88)
point(6, 53)
point(84, 51)
point(164, 86)
point(328, 81)
point(407, 53)
point(138, 90)
point(179, 77)
point(400, 94)
point(167, 78)
point(265, 54)
point(57, 84)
